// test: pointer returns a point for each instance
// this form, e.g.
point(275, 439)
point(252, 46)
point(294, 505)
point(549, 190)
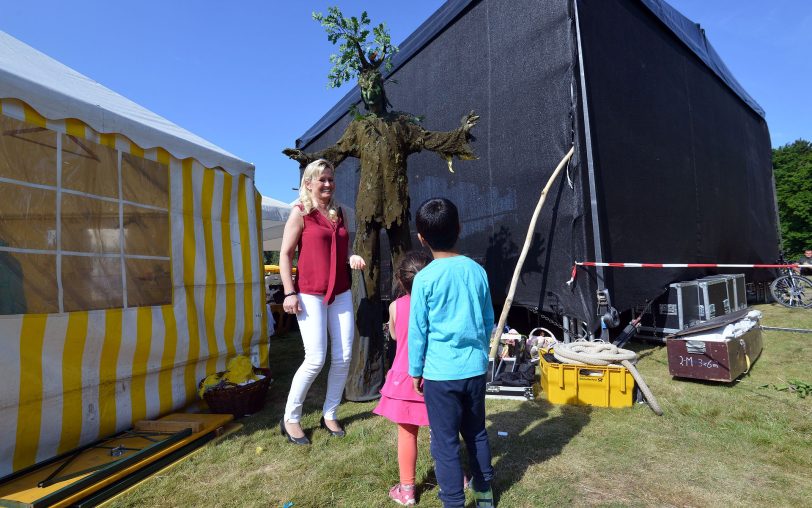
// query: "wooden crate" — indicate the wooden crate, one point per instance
point(714, 360)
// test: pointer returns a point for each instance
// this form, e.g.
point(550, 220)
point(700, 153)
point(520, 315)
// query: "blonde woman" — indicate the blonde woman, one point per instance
point(320, 297)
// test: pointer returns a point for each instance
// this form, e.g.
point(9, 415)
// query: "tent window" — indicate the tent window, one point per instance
point(89, 233)
point(144, 181)
point(143, 230)
point(148, 281)
point(89, 168)
point(27, 152)
point(91, 282)
point(27, 283)
point(89, 225)
point(27, 217)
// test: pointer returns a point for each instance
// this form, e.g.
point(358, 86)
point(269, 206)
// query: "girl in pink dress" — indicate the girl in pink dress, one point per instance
point(399, 402)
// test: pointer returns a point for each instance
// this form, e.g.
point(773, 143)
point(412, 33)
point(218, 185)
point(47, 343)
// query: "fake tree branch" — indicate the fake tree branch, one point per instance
point(364, 63)
point(497, 332)
point(356, 53)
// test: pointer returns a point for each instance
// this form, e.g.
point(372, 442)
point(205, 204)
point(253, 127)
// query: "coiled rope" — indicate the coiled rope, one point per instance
point(583, 352)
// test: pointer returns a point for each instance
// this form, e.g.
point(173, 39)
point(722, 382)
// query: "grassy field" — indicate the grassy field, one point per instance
point(741, 444)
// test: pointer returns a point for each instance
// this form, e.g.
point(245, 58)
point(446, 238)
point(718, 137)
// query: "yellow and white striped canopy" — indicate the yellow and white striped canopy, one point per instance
point(69, 378)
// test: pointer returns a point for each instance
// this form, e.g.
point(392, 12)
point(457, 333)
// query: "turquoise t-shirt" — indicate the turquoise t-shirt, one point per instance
point(450, 320)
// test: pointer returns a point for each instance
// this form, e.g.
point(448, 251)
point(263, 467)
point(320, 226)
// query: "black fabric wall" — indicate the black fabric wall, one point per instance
point(683, 165)
point(512, 62)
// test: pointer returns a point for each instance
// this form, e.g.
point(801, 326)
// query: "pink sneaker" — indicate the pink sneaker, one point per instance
point(402, 494)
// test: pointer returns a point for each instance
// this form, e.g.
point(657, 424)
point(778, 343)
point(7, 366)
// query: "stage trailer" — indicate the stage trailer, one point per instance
point(130, 260)
point(672, 157)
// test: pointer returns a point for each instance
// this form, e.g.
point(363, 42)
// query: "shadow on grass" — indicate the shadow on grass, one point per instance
point(426, 487)
point(286, 354)
point(536, 432)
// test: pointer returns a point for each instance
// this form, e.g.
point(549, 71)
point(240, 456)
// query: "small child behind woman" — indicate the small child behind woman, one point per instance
point(399, 402)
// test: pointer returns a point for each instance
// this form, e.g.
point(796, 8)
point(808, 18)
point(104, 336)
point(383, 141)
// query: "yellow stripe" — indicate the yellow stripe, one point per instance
point(263, 337)
point(75, 338)
point(190, 377)
point(245, 249)
point(136, 150)
point(108, 140)
point(264, 353)
point(31, 116)
point(163, 156)
point(75, 127)
point(107, 371)
point(168, 358)
point(143, 343)
point(228, 266)
point(29, 408)
point(209, 303)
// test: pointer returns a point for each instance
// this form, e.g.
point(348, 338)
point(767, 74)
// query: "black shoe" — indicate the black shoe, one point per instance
point(334, 433)
point(295, 440)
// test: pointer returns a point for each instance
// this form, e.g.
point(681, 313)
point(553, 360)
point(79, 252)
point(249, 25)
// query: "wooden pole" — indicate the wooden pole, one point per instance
point(497, 332)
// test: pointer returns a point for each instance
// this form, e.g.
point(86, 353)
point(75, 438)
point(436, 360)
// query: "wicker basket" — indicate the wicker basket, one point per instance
point(239, 400)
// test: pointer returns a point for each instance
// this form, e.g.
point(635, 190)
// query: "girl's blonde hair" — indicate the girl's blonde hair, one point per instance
point(312, 172)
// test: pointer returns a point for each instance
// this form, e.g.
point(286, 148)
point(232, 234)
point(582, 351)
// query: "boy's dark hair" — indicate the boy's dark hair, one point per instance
point(411, 263)
point(438, 222)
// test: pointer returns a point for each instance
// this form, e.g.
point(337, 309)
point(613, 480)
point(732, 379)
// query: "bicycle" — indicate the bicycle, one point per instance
point(792, 290)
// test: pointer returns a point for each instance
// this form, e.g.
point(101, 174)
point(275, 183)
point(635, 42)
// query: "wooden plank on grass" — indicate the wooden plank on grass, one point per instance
point(167, 425)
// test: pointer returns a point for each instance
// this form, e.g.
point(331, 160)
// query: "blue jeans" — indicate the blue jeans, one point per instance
point(458, 407)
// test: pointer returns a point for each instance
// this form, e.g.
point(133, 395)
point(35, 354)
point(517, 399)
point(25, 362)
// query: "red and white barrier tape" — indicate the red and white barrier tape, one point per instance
point(674, 265)
point(683, 265)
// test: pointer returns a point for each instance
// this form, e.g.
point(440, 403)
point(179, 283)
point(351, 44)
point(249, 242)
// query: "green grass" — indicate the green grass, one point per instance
point(717, 445)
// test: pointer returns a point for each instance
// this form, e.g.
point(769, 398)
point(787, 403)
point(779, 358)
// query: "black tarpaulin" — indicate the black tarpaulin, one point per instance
point(680, 161)
point(683, 165)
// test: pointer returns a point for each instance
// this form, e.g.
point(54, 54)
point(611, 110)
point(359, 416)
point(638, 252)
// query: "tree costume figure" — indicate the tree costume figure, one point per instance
point(382, 140)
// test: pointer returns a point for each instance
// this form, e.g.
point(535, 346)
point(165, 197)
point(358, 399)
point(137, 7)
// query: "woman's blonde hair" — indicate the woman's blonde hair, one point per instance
point(312, 172)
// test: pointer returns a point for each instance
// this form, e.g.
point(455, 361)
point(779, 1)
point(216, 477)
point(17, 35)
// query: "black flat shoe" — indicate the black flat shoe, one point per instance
point(334, 433)
point(295, 440)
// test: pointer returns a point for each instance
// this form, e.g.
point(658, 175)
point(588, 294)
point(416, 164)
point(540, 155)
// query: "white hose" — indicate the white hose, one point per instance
point(582, 352)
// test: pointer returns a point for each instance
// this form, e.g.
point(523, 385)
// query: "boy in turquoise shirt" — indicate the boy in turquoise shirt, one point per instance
point(450, 321)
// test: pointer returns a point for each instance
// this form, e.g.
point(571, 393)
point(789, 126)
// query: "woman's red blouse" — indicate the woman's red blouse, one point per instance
point(323, 254)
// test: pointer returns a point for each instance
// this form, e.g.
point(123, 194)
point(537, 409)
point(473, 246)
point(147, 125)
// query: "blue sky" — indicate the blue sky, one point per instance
point(250, 76)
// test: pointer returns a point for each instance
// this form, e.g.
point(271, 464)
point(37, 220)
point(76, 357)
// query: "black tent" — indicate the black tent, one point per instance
point(672, 157)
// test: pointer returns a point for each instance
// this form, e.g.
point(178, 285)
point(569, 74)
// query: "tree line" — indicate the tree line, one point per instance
point(792, 169)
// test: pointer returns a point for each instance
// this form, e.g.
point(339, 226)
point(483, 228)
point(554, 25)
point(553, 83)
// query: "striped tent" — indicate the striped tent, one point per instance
point(130, 260)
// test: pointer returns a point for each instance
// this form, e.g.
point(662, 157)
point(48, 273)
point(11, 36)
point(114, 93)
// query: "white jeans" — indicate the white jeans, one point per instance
point(315, 319)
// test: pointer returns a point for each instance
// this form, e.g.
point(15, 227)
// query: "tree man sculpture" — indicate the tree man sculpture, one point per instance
point(382, 140)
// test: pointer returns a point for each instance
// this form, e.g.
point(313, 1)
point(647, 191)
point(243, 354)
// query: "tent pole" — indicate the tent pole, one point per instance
point(497, 332)
point(596, 232)
point(565, 321)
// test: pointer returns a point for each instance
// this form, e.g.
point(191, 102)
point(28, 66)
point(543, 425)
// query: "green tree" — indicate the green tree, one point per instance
point(793, 187)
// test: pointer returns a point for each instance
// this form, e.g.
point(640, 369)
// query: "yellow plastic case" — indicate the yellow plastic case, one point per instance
point(586, 385)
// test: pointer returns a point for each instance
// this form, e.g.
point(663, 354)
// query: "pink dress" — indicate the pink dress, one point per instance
point(399, 402)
